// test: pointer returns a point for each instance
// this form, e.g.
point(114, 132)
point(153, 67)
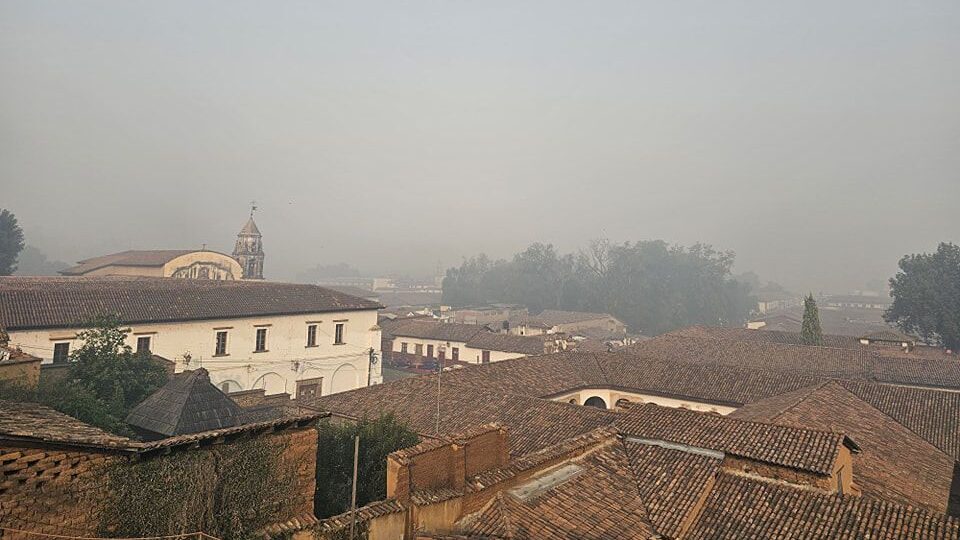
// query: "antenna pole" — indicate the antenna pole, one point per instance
point(353, 496)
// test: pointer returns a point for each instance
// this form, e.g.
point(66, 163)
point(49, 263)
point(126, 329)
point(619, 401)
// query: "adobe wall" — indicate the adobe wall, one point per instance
point(61, 490)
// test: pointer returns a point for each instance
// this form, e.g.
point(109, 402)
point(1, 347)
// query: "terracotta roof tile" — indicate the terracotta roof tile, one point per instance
point(53, 302)
point(740, 507)
point(804, 449)
point(894, 463)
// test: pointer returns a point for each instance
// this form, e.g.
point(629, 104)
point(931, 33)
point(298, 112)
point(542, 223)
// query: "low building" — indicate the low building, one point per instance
point(493, 314)
point(420, 342)
point(857, 301)
point(574, 323)
point(18, 368)
point(248, 334)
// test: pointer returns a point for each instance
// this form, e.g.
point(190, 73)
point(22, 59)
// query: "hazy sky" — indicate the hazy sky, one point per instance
point(819, 140)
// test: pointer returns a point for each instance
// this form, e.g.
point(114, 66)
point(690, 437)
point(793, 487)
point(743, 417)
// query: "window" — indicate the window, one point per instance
point(456, 354)
point(485, 357)
point(338, 334)
point(403, 347)
point(221, 349)
point(143, 345)
point(261, 340)
point(429, 351)
point(418, 348)
point(61, 352)
point(311, 335)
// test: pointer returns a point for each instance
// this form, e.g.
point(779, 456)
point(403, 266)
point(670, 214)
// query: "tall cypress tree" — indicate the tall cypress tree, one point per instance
point(812, 333)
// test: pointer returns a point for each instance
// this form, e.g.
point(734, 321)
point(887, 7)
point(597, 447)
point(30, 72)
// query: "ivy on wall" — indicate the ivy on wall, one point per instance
point(228, 491)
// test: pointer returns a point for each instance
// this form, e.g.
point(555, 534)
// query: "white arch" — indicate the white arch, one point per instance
point(271, 382)
point(344, 378)
point(229, 385)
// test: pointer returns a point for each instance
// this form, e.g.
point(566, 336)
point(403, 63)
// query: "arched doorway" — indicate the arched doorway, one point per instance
point(595, 401)
point(344, 378)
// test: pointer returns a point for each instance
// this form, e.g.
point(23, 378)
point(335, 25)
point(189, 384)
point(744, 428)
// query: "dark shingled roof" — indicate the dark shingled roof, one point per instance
point(188, 403)
point(71, 302)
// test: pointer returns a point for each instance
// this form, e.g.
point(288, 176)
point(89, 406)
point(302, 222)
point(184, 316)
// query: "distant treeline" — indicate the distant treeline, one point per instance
point(652, 286)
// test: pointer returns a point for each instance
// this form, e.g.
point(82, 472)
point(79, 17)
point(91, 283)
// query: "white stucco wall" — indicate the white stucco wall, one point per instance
point(610, 397)
point(467, 354)
point(287, 359)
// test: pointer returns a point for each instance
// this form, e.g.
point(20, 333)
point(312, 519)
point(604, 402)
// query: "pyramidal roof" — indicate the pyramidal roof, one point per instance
point(189, 403)
point(250, 228)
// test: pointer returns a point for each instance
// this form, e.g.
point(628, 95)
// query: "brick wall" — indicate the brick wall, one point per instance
point(435, 464)
point(487, 451)
point(62, 490)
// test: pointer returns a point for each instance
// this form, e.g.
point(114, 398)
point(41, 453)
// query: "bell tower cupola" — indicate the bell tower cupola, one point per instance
point(249, 249)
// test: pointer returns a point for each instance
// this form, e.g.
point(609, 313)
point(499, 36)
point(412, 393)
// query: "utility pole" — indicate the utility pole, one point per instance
point(439, 372)
point(353, 496)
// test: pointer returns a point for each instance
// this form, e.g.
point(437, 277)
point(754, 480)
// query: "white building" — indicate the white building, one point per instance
point(247, 334)
point(420, 341)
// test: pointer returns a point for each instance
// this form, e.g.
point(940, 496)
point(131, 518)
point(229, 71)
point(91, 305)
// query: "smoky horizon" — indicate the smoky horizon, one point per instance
point(816, 141)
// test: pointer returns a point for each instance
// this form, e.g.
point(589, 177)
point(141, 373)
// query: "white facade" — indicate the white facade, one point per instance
point(463, 353)
point(286, 359)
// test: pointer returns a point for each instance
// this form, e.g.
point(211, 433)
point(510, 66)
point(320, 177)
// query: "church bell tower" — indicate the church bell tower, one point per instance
point(249, 249)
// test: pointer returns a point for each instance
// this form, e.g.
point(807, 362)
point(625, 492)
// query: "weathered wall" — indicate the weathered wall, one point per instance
point(23, 372)
point(62, 490)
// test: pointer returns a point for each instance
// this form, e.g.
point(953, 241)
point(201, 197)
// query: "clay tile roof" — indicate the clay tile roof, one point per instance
point(671, 483)
point(60, 302)
point(804, 449)
point(437, 330)
point(553, 317)
point(188, 403)
point(932, 414)
point(833, 362)
point(739, 507)
point(895, 464)
point(889, 335)
point(509, 343)
point(153, 257)
point(333, 524)
point(32, 422)
point(597, 499)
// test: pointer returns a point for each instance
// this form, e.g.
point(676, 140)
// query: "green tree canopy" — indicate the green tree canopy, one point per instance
point(811, 333)
point(11, 242)
point(926, 296)
point(104, 381)
point(651, 286)
point(378, 438)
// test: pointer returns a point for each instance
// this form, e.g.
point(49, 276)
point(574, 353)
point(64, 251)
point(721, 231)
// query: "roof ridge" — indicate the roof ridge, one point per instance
point(809, 391)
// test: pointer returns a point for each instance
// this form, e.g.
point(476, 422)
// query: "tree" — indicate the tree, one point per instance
point(811, 333)
point(105, 380)
point(11, 242)
point(926, 296)
point(378, 438)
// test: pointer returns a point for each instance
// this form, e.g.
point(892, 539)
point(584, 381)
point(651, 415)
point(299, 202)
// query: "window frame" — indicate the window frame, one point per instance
point(260, 345)
point(339, 332)
point(65, 357)
point(217, 350)
point(312, 335)
point(147, 349)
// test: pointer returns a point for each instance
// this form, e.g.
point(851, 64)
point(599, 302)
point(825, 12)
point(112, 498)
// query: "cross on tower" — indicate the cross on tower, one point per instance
point(253, 207)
